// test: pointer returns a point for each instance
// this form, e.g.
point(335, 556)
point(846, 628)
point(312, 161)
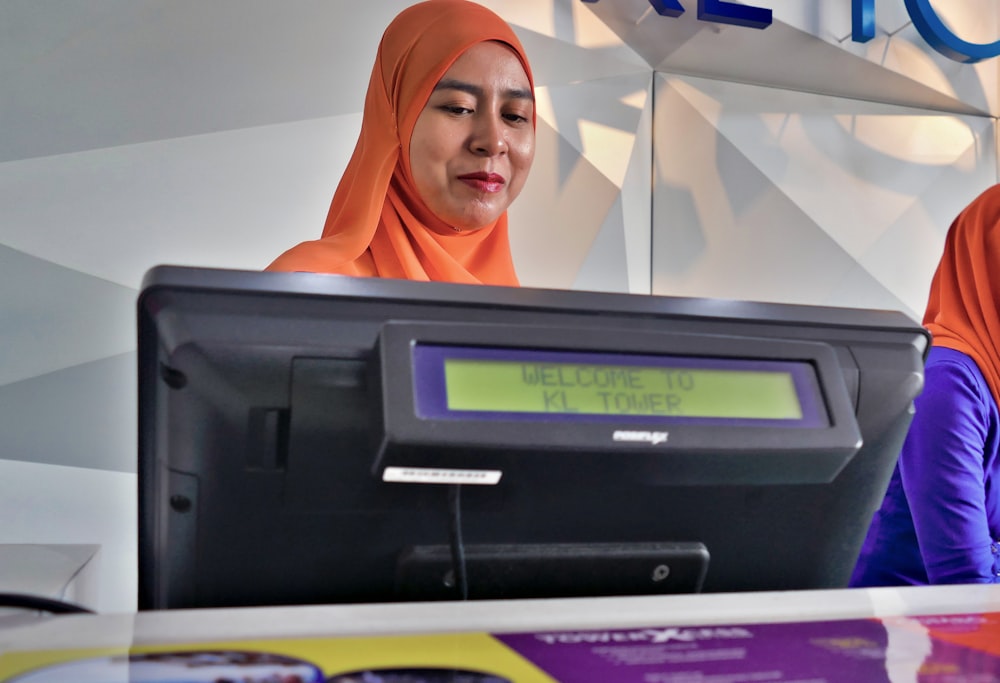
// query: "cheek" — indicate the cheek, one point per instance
point(429, 156)
point(425, 168)
point(523, 153)
point(423, 138)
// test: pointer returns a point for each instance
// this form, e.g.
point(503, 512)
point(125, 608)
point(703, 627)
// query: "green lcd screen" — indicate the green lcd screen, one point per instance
point(536, 387)
point(492, 383)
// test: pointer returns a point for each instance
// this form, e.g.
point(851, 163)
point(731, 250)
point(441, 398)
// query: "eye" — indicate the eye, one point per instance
point(456, 109)
point(517, 113)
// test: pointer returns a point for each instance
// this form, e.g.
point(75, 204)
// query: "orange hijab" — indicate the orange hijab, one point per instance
point(378, 226)
point(963, 309)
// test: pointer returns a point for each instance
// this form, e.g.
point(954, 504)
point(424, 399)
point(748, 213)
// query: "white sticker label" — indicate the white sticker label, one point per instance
point(429, 475)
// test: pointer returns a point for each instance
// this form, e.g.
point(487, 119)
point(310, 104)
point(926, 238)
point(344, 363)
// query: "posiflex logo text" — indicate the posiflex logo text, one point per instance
point(652, 438)
point(925, 19)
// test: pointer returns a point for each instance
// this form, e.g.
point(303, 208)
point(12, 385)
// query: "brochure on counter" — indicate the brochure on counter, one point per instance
point(931, 649)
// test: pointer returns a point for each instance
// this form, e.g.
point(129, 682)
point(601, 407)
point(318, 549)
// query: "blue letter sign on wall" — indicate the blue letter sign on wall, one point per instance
point(731, 13)
point(925, 19)
point(940, 37)
point(863, 20)
point(717, 11)
point(665, 8)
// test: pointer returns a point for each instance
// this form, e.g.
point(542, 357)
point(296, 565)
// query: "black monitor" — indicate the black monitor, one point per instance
point(317, 439)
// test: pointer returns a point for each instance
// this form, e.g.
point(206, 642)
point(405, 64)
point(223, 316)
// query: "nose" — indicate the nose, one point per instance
point(489, 135)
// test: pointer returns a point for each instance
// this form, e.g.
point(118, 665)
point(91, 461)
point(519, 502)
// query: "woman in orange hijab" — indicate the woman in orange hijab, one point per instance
point(940, 519)
point(446, 142)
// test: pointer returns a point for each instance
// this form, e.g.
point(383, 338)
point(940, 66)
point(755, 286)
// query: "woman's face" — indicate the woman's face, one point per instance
point(474, 141)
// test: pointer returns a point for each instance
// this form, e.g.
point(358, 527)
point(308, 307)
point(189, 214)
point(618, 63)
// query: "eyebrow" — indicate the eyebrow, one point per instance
point(476, 91)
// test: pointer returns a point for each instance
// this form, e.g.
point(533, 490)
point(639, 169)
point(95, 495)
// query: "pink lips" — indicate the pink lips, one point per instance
point(484, 182)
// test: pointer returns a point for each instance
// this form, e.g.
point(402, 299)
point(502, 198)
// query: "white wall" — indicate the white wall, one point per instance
point(786, 164)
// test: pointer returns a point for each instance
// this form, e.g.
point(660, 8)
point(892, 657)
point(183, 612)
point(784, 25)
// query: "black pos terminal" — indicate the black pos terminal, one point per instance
point(314, 439)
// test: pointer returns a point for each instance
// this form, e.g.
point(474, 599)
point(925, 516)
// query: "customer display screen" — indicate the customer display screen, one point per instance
point(459, 382)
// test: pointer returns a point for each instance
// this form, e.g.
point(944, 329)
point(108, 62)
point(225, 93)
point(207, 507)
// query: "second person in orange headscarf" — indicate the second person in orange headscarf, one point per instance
point(940, 519)
point(446, 143)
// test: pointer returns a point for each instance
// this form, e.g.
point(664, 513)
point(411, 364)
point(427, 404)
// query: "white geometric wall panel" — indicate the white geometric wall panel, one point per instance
point(778, 195)
point(583, 219)
point(54, 318)
point(52, 505)
point(787, 164)
point(228, 199)
point(809, 47)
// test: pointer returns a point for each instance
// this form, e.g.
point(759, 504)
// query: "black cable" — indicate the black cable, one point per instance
point(40, 604)
point(457, 544)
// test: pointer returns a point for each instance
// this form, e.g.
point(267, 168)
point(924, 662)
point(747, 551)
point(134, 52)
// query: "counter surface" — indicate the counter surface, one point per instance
point(889, 634)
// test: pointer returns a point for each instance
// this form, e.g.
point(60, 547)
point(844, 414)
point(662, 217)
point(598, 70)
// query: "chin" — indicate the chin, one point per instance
point(464, 224)
point(478, 221)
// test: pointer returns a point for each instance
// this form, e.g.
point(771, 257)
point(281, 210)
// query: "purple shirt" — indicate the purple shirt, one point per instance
point(940, 519)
